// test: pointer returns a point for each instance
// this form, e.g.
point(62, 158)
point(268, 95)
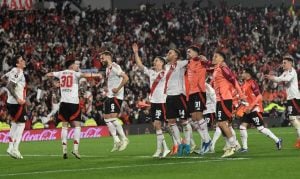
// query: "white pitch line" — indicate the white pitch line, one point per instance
point(119, 167)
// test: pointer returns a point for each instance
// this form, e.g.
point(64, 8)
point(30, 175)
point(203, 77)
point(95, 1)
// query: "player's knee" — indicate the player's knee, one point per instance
point(292, 118)
point(242, 127)
point(260, 128)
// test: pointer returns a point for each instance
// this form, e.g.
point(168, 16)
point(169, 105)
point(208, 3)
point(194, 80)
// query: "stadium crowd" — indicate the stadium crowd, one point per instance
point(251, 37)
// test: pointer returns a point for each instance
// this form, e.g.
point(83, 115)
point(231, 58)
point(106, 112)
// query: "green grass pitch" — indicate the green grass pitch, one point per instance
point(44, 160)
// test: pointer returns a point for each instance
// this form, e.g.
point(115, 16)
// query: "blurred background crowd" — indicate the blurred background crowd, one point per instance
point(251, 37)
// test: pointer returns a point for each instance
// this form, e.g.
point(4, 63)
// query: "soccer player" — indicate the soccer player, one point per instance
point(116, 79)
point(16, 105)
point(223, 82)
point(253, 112)
point(176, 101)
point(196, 92)
point(157, 99)
point(69, 109)
point(290, 79)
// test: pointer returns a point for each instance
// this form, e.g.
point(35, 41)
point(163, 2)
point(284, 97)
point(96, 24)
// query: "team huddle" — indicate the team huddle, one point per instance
point(182, 92)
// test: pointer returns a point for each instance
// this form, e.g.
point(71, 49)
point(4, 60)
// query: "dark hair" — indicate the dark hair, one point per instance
point(288, 57)
point(15, 60)
point(222, 54)
point(250, 72)
point(68, 63)
point(195, 48)
point(106, 52)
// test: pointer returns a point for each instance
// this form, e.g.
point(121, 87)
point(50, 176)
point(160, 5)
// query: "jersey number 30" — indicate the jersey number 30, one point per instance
point(66, 81)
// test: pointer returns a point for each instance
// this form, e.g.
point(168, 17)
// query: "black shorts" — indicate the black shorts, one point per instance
point(16, 112)
point(197, 102)
point(158, 111)
point(224, 110)
point(254, 118)
point(176, 107)
point(69, 112)
point(210, 118)
point(112, 105)
point(293, 107)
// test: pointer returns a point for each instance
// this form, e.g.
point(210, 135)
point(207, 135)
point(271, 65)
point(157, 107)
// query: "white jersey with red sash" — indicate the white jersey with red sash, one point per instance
point(157, 85)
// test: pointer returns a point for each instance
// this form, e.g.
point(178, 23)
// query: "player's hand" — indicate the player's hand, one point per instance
point(270, 77)
point(115, 90)
point(21, 101)
point(247, 111)
point(135, 48)
point(202, 57)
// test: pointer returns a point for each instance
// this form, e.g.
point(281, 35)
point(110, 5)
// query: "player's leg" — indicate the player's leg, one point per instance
point(244, 135)
point(259, 124)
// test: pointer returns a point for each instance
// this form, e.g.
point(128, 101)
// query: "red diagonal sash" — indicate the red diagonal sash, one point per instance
point(156, 81)
point(172, 68)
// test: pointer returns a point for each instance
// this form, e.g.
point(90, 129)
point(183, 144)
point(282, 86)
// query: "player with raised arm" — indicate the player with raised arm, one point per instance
point(116, 79)
point(69, 109)
point(290, 79)
point(16, 105)
point(157, 99)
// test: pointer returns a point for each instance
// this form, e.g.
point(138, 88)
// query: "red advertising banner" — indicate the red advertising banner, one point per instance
point(54, 134)
point(18, 4)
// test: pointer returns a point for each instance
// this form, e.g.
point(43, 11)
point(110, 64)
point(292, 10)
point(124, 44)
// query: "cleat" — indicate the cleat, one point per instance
point(124, 144)
point(116, 146)
point(238, 146)
point(197, 151)
point(180, 150)
point(174, 150)
point(228, 153)
point(165, 153)
point(65, 156)
point(76, 154)
point(157, 154)
point(279, 144)
point(193, 147)
point(226, 148)
point(11, 154)
point(205, 147)
point(16, 154)
point(242, 150)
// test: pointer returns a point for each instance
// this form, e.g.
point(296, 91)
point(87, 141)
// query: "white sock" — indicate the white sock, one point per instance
point(216, 136)
point(119, 129)
point(196, 126)
point(268, 133)
point(244, 136)
point(187, 132)
point(232, 142)
point(175, 133)
point(234, 135)
point(204, 130)
point(18, 135)
point(76, 138)
point(12, 135)
point(160, 138)
point(113, 131)
point(64, 135)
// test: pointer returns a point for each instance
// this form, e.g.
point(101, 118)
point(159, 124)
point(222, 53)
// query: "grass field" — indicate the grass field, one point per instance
point(44, 160)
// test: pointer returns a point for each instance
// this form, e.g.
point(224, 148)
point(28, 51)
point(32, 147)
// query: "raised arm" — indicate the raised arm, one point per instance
point(50, 74)
point(137, 58)
point(91, 75)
